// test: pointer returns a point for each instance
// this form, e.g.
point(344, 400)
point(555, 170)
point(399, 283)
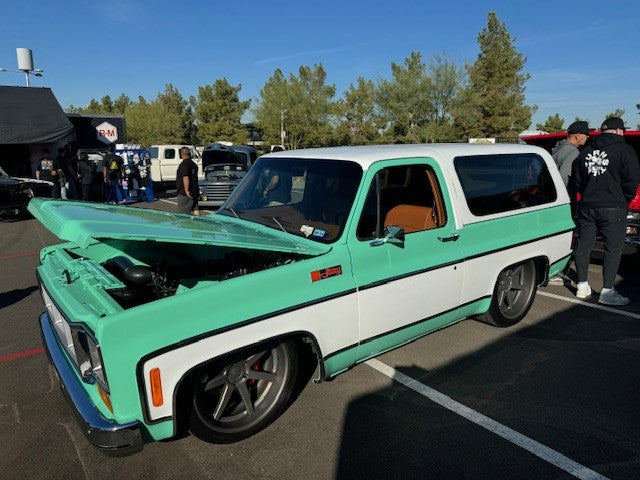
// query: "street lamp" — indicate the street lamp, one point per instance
point(25, 64)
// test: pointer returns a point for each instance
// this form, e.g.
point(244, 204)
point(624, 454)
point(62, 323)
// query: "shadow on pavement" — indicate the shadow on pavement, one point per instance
point(15, 295)
point(570, 382)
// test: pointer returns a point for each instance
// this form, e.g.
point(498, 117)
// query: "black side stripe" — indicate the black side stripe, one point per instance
point(413, 324)
point(458, 261)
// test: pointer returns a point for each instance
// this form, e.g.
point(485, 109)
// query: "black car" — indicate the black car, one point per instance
point(15, 193)
point(223, 170)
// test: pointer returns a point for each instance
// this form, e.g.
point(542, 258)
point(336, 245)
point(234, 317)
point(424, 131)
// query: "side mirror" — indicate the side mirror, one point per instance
point(393, 235)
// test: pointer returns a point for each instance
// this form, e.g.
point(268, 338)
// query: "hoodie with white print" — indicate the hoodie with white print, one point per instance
point(606, 173)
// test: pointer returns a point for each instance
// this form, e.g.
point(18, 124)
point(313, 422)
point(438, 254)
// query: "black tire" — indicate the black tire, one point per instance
point(513, 295)
point(236, 398)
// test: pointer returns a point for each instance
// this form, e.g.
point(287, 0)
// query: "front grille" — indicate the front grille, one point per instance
point(218, 192)
point(61, 325)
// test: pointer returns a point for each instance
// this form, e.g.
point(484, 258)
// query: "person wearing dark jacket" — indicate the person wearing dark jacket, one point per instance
point(605, 176)
point(86, 169)
point(567, 149)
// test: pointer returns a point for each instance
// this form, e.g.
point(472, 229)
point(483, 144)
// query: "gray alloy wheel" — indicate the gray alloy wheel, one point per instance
point(244, 394)
point(513, 295)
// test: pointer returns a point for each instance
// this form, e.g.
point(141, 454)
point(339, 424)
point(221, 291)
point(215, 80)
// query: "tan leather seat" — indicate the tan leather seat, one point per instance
point(411, 218)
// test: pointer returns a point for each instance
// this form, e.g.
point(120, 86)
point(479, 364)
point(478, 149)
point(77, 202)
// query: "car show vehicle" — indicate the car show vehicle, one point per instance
point(165, 160)
point(15, 192)
point(157, 322)
point(632, 137)
point(223, 169)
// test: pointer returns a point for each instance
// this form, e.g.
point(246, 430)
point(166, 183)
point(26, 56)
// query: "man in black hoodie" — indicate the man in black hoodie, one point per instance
point(605, 176)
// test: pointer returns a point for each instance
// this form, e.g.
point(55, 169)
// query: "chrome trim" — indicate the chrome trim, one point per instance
point(111, 437)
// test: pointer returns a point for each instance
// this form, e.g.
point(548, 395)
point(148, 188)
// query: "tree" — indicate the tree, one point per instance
point(218, 111)
point(446, 78)
point(302, 104)
point(554, 123)
point(405, 100)
point(360, 124)
point(493, 102)
point(121, 103)
point(167, 119)
point(619, 113)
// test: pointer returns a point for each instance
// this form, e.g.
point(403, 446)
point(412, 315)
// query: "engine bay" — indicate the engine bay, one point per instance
point(162, 270)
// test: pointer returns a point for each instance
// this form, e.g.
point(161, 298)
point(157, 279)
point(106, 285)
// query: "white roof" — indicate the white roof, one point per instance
point(367, 155)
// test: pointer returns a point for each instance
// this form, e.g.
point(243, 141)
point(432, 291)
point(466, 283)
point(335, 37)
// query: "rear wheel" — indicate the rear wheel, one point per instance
point(513, 295)
point(240, 396)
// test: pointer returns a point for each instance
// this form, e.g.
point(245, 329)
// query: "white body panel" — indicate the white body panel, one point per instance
point(164, 169)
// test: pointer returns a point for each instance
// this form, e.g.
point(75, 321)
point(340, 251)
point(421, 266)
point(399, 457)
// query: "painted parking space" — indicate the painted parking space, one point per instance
point(565, 378)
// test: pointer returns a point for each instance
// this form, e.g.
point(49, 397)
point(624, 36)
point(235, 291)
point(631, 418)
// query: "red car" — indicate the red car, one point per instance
point(632, 137)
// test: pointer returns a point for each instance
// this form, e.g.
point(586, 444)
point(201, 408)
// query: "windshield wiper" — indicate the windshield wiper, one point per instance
point(279, 224)
point(232, 211)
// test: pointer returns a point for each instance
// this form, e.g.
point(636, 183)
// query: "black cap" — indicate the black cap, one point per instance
point(612, 123)
point(579, 127)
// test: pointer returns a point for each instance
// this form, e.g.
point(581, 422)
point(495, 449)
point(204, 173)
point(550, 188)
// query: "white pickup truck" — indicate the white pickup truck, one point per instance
point(165, 160)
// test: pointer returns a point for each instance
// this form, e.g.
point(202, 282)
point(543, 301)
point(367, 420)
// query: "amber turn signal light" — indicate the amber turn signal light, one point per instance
point(105, 398)
point(156, 387)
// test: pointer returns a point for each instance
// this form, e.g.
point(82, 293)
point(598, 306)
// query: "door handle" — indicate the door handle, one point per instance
point(451, 238)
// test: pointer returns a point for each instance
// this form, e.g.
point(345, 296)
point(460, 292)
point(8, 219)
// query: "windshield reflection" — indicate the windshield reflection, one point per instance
point(310, 198)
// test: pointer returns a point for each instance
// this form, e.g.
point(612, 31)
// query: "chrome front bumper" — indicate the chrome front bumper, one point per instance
point(112, 438)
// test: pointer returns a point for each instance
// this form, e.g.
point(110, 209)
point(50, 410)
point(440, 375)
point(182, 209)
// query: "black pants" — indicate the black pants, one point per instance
point(611, 223)
point(86, 191)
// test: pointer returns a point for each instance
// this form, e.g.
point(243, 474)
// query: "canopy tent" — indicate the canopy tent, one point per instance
point(31, 115)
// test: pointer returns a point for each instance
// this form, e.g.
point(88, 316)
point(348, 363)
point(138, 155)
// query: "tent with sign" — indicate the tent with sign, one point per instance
point(98, 131)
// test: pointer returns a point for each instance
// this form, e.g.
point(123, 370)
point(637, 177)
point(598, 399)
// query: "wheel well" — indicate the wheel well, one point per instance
point(542, 269)
point(310, 357)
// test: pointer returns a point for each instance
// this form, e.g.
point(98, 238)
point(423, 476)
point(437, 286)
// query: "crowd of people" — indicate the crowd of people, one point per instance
point(76, 176)
point(601, 179)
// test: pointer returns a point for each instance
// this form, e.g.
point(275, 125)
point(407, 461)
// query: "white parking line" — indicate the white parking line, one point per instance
point(591, 305)
point(168, 201)
point(542, 451)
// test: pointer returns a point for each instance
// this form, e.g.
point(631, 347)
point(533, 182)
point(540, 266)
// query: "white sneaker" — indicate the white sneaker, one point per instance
point(584, 291)
point(611, 297)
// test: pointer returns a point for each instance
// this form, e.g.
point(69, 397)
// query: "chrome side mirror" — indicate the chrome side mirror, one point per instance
point(393, 235)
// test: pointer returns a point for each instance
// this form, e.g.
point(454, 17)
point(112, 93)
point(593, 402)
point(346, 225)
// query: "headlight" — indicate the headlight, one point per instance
point(633, 216)
point(88, 357)
point(80, 346)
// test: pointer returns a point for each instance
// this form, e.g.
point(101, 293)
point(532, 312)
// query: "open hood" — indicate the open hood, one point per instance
point(82, 223)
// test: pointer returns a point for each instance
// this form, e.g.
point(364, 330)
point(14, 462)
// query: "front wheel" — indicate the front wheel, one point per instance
point(513, 295)
point(240, 396)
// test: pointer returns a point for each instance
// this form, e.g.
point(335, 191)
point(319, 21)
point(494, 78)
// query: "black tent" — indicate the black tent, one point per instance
point(31, 115)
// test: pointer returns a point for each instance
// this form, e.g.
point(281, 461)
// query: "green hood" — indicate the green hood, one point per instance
point(82, 223)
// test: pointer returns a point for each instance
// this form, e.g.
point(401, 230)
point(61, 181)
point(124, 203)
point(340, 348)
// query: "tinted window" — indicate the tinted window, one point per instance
point(170, 153)
point(406, 196)
point(500, 183)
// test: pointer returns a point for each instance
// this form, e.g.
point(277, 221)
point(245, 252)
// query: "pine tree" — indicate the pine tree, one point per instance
point(218, 112)
point(493, 103)
point(554, 123)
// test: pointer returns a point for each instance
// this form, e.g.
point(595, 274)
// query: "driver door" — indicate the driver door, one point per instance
point(406, 286)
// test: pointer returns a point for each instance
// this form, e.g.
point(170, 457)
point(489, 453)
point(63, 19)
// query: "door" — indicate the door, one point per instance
point(169, 161)
point(404, 285)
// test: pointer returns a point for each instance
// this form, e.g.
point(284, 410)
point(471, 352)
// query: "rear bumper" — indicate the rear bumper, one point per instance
point(112, 438)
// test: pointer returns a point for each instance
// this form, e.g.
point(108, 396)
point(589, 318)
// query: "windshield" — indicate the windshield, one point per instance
point(309, 198)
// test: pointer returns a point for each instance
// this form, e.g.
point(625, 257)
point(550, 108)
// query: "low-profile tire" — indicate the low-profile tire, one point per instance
point(239, 396)
point(513, 295)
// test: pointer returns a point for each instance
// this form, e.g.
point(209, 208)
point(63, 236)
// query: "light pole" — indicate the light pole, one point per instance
point(282, 132)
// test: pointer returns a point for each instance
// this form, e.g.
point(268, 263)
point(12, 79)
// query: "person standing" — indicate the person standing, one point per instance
point(605, 176)
point(567, 150)
point(86, 169)
point(113, 164)
point(187, 184)
point(59, 173)
point(45, 171)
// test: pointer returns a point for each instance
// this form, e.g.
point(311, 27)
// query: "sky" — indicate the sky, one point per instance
point(583, 57)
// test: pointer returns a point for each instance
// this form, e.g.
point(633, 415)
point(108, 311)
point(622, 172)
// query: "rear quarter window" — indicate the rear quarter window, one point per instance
point(502, 183)
point(154, 152)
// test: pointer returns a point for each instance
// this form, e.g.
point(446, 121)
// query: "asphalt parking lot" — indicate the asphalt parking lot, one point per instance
point(557, 396)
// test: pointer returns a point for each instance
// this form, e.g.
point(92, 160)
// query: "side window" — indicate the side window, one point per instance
point(170, 153)
point(406, 196)
point(501, 183)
